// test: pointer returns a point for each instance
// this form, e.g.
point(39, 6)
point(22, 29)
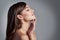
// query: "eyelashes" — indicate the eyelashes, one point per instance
point(27, 10)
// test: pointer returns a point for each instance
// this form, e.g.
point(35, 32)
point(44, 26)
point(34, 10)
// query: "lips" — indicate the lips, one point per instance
point(32, 20)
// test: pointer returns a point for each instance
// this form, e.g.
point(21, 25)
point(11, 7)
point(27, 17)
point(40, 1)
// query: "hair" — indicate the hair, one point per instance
point(13, 23)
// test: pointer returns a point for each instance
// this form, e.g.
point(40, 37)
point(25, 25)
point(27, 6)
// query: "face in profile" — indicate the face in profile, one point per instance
point(28, 14)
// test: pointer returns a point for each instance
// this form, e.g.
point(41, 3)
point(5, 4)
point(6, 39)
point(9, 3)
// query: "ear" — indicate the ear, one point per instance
point(19, 16)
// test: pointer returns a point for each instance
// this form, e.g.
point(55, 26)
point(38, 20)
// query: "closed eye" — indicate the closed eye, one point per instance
point(27, 10)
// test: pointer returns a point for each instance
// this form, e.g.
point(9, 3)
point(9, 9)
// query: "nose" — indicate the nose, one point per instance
point(32, 12)
point(32, 9)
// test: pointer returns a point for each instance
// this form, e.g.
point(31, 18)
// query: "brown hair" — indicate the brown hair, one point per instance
point(13, 23)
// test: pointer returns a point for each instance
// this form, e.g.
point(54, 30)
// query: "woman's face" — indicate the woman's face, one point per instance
point(28, 14)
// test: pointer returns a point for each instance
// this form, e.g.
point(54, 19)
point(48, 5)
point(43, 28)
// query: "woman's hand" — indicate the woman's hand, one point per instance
point(32, 26)
point(31, 34)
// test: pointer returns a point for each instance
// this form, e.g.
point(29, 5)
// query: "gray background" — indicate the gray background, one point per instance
point(47, 13)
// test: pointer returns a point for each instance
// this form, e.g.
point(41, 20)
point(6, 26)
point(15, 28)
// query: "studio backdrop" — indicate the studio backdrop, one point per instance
point(47, 13)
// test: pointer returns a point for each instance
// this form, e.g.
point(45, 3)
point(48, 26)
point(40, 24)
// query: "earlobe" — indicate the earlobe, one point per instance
point(19, 17)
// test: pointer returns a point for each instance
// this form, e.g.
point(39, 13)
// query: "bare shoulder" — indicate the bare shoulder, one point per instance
point(23, 36)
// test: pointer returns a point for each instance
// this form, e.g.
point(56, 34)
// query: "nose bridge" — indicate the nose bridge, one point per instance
point(32, 10)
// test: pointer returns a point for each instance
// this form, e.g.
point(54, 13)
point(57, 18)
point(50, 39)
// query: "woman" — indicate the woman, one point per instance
point(21, 22)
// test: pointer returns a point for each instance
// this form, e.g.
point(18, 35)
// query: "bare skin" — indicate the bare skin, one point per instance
point(27, 17)
point(23, 33)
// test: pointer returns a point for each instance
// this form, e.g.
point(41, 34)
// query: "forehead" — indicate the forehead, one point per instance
point(27, 6)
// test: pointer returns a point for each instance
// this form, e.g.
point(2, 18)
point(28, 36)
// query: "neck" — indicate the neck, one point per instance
point(24, 28)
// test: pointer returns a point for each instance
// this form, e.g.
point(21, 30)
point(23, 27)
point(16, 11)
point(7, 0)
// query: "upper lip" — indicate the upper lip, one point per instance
point(32, 21)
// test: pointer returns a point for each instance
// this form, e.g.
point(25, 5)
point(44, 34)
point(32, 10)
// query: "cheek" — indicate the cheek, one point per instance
point(29, 17)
